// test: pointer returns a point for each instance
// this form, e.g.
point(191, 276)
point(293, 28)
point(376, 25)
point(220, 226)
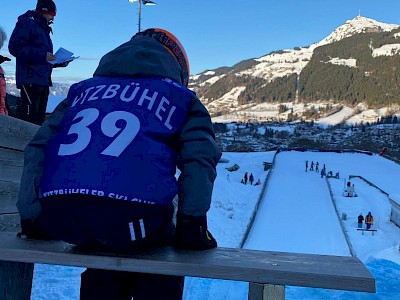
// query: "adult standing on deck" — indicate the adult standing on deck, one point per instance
point(32, 47)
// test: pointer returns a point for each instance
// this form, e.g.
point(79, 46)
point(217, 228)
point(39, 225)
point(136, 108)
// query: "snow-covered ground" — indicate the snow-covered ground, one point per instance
point(339, 117)
point(293, 199)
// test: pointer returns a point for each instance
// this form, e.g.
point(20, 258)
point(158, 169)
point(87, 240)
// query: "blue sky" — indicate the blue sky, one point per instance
point(214, 33)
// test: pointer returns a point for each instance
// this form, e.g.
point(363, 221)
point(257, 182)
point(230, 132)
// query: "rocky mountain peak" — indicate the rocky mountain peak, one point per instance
point(357, 25)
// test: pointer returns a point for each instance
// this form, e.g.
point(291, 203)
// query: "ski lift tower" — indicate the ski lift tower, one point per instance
point(140, 2)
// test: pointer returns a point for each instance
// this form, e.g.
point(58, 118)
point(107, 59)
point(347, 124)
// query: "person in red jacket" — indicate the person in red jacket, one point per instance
point(3, 109)
point(369, 220)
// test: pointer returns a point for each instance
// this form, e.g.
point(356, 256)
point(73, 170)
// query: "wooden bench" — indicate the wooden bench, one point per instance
point(363, 230)
point(257, 267)
point(267, 272)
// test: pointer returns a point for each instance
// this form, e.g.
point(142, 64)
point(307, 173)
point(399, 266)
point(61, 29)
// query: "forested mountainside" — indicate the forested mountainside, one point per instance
point(348, 67)
point(374, 80)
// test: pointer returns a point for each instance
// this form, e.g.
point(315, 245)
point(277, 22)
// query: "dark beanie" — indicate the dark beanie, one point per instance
point(46, 7)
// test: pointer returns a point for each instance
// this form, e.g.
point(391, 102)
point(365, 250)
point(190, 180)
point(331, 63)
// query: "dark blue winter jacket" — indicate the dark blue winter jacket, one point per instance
point(154, 93)
point(139, 163)
point(29, 43)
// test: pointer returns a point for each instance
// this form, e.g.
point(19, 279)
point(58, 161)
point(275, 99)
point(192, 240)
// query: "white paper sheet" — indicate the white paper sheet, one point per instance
point(63, 55)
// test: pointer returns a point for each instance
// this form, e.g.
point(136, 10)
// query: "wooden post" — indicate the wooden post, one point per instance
point(16, 280)
point(15, 277)
point(266, 292)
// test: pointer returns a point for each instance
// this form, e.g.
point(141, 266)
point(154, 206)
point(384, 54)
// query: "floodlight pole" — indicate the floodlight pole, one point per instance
point(139, 13)
point(140, 2)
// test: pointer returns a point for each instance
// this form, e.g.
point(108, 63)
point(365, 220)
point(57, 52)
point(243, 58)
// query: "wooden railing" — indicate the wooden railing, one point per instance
point(267, 272)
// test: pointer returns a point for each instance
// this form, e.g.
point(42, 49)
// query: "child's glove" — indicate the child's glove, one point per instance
point(192, 234)
point(31, 230)
point(3, 59)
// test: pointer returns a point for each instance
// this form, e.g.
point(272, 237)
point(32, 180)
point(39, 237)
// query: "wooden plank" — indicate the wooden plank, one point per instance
point(15, 277)
point(256, 291)
point(266, 292)
point(273, 292)
point(8, 196)
point(15, 133)
point(10, 223)
point(11, 164)
point(279, 268)
point(15, 280)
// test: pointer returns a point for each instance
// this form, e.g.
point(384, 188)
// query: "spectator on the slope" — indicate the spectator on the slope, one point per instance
point(306, 165)
point(258, 182)
point(245, 178)
point(348, 192)
point(353, 191)
point(317, 167)
point(360, 220)
point(322, 173)
point(3, 108)
point(312, 166)
point(251, 178)
point(369, 220)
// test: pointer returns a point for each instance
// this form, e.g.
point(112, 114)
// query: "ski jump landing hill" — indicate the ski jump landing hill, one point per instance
point(267, 271)
point(297, 207)
point(303, 212)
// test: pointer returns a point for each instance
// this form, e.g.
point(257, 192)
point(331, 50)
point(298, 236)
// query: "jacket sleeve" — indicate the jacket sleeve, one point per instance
point(21, 46)
point(198, 156)
point(28, 203)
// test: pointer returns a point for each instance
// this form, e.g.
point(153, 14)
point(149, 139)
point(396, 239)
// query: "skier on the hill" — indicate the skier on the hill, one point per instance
point(105, 162)
point(306, 165)
point(323, 171)
point(316, 167)
point(312, 166)
point(251, 178)
point(245, 178)
point(360, 220)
